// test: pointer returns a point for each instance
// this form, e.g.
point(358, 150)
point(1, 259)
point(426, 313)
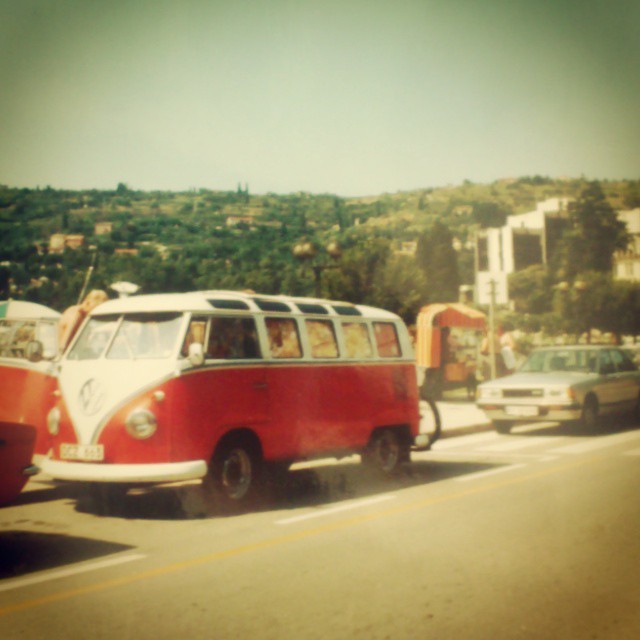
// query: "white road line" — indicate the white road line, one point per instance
point(598, 443)
point(515, 443)
point(463, 441)
point(16, 583)
point(342, 507)
point(491, 472)
point(477, 455)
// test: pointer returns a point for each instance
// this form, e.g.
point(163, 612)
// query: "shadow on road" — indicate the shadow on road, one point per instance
point(24, 552)
point(324, 484)
point(39, 491)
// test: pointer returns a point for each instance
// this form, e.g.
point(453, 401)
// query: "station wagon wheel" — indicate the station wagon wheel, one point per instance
point(385, 452)
point(503, 426)
point(590, 419)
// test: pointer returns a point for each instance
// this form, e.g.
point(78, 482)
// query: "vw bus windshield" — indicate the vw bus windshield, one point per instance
point(95, 337)
point(145, 336)
point(132, 337)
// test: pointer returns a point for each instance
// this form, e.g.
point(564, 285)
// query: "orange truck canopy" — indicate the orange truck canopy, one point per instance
point(430, 322)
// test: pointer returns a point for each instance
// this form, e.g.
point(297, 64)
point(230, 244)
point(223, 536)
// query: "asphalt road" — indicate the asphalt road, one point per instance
point(530, 535)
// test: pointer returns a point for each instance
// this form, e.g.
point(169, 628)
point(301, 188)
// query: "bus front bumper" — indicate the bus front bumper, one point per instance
point(151, 473)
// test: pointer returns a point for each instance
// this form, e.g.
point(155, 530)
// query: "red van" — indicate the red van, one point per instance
point(219, 385)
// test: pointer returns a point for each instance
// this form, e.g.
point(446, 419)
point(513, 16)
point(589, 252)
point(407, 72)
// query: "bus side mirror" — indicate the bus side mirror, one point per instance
point(34, 351)
point(196, 354)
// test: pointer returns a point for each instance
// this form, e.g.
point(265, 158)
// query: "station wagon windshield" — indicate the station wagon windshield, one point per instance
point(546, 360)
point(132, 337)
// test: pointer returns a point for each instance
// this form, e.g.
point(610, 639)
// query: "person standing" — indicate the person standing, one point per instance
point(507, 349)
point(73, 316)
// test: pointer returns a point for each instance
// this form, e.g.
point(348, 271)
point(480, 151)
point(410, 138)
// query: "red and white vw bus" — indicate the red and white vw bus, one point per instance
point(28, 345)
point(217, 384)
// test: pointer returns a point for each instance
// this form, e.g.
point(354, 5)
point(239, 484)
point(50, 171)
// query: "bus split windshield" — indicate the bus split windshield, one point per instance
point(141, 336)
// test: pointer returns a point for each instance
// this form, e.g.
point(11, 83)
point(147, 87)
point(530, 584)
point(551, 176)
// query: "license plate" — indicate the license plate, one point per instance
point(522, 411)
point(92, 452)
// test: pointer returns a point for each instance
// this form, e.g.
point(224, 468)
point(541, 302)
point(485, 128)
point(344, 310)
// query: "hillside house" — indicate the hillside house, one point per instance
point(58, 242)
point(526, 239)
point(103, 228)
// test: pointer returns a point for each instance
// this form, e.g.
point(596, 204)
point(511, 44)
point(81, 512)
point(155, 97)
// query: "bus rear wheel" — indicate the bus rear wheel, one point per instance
point(386, 451)
point(236, 474)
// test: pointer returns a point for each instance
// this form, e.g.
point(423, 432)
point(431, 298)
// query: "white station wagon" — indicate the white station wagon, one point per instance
point(562, 384)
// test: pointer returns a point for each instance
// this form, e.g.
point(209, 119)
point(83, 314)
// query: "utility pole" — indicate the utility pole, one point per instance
point(492, 339)
point(89, 273)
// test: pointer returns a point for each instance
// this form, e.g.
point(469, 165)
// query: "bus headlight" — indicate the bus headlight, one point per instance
point(141, 424)
point(53, 421)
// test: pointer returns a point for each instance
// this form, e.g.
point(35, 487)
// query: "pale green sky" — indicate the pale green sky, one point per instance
point(351, 97)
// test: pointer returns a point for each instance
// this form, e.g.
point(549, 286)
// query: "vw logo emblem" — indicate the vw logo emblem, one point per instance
point(91, 397)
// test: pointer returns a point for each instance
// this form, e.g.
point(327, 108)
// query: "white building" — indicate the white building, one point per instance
point(626, 264)
point(526, 239)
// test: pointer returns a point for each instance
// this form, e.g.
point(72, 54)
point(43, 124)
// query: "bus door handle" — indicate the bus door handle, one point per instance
point(260, 385)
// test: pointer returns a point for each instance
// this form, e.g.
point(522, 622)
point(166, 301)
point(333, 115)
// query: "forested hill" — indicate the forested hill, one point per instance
point(203, 239)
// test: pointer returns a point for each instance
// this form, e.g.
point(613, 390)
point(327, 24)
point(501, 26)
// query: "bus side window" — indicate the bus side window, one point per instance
point(5, 338)
point(24, 332)
point(357, 341)
point(284, 341)
point(322, 339)
point(386, 339)
point(195, 334)
point(233, 339)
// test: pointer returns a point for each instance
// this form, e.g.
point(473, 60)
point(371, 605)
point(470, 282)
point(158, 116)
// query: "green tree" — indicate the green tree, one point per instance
point(594, 236)
point(357, 271)
point(400, 286)
point(596, 301)
point(438, 260)
point(529, 289)
point(490, 214)
point(632, 195)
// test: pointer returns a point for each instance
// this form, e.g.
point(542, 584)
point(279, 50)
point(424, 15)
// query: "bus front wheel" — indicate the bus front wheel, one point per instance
point(236, 473)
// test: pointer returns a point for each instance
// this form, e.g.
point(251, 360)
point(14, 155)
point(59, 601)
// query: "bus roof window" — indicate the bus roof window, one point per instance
point(233, 305)
point(344, 310)
point(272, 305)
point(316, 309)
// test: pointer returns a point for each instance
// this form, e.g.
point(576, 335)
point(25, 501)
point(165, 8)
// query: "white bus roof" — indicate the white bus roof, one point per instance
point(19, 310)
point(236, 301)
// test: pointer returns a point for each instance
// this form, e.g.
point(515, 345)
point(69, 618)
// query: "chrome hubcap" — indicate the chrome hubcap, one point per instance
point(237, 474)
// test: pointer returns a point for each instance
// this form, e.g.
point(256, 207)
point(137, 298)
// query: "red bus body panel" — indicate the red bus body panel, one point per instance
point(16, 450)
point(26, 393)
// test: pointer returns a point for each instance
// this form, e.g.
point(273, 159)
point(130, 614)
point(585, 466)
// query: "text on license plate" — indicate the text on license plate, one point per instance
point(523, 411)
point(93, 452)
